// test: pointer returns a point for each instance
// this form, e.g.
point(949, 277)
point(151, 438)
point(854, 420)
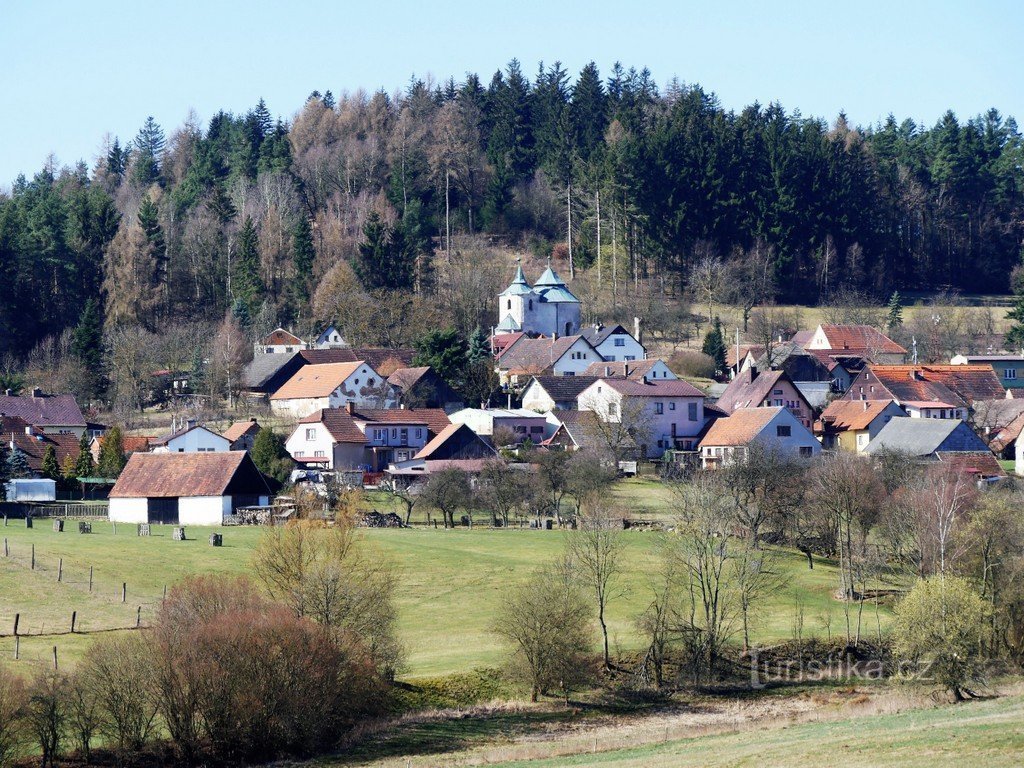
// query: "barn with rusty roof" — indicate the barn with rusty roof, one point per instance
point(186, 488)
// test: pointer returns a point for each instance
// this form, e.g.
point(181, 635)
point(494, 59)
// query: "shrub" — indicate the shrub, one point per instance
point(691, 363)
point(119, 670)
point(46, 714)
point(13, 700)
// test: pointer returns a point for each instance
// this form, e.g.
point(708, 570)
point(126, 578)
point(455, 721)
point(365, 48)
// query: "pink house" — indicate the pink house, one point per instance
point(768, 389)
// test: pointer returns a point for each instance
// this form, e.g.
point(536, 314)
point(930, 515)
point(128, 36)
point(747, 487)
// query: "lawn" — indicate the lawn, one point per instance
point(451, 583)
point(989, 733)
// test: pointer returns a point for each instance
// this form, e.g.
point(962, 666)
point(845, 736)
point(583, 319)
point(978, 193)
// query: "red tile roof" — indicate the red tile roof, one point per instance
point(169, 475)
point(860, 338)
point(538, 355)
point(957, 384)
point(281, 337)
point(316, 380)
point(751, 388)
point(630, 369)
point(435, 419)
point(844, 415)
point(339, 423)
point(659, 388)
point(43, 410)
point(980, 464)
point(241, 428)
point(739, 428)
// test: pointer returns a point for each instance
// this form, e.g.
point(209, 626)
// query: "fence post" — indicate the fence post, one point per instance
point(17, 647)
point(33, 557)
point(60, 569)
point(138, 617)
point(74, 615)
point(124, 591)
point(7, 551)
point(90, 578)
point(55, 658)
point(17, 618)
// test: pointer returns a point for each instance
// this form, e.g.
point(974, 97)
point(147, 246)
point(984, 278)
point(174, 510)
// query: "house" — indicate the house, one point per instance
point(739, 356)
point(194, 438)
point(548, 308)
point(279, 341)
point(752, 388)
point(613, 342)
point(775, 428)
point(860, 340)
point(563, 356)
point(50, 414)
point(383, 360)
point(33, 442)
point(331, 385)
point(924, 438)
point(521, 422)
point(242, 434)
point(548, 393)
point(421, 387)
point(186, 488)
point(581, 430)
point(799, 364)
point(1009, 369)
point(266, 373)
point(329, 339)
point(1003, 440)
point(352, 438)
point(664, 414)
point(934, 409)
point(456, 442)
point(933, 389)
point(129, 444)
point(849, 425)
point(652, 369)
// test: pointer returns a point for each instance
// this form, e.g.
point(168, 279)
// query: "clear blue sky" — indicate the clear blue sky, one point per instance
point(72, 71)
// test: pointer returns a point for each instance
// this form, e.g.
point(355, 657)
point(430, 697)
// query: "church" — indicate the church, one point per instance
point(548, 308)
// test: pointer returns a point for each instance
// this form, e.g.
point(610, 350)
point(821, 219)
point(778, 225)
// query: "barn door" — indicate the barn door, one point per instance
point(163, 511)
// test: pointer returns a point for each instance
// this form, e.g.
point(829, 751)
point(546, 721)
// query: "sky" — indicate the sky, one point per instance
point(72, 71)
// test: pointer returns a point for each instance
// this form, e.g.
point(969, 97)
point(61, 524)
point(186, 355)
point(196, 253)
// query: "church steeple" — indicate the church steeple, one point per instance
point(519, 286)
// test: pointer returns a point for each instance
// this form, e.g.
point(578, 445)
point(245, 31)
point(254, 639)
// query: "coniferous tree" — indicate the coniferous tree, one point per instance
point(479, 346)
point(387, 256)
point(5, 470)
point(714, 345)
point(148, 149)
point(270, 455)
point(50, 468)
point(112, 457)
point(17, 464)
point(87, 339)
point(894, 318)
point(117, 159)
point(84, 464)
point(303, 254)
point(246, 284)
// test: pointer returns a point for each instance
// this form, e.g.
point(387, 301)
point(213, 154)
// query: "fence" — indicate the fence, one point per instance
point(19, 510)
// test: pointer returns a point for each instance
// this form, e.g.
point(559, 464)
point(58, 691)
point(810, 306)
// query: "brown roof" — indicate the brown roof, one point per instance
point(730, 352)
point(279, 337)
point(439, 440)
point(241, 428)
point(751, 388)
point(169, 475)
point(503, 340)
point(384, 361)
point(34, 445)
point(435, 418)
point(537, 355)
point(43, 410)
point(659, 388)
point(339, 422)
point(957, 384)
point(129, 443)
point(316, 380)
point(739, 428)
point(630, 369)
point(406, 378)
point(860, 338)
point(979, 463)
point(854, 415)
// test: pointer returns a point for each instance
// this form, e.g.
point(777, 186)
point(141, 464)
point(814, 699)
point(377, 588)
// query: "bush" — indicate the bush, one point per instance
point(47, 712)
point(690, 363)
point(13, 701)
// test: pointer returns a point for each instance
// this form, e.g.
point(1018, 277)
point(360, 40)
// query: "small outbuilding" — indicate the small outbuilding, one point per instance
point(186, 488)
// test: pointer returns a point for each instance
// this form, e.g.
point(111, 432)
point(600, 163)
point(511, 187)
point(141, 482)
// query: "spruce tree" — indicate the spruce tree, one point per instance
point(303, 254)
point(112, 458)
point(87, 338)
point(247, 286)
point(479, 346)
point(117, 159)
point(895, 317)
point(50, 469)
point(84, 464)
point(149, 148)
point(714, 345)
point(387, 257)
point(17, 464)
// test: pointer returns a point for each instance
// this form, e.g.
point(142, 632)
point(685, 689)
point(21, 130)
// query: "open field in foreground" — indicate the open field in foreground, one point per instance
point(451, 583)
point(867, 726)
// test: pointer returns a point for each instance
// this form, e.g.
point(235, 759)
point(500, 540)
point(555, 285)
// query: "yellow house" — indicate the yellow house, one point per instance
point(849, 425)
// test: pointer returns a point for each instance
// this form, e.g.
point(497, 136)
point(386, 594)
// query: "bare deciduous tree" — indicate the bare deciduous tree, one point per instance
point(595, 548)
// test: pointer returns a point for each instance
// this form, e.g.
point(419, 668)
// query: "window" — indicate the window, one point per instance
point(394, 433)
point(311, 433)
point(536, 430)
point(521, 430)
point(510, 304)
point(419, 434)
point(671, 406)
point(287, 349)
point(776, 391)
point(691, 409)
point(627, 358)
point(531, 304)
point(319, 454)
point(378, 434)
point(619, 341)
point(357, 382)
point(370, 381)
point(568, 329)
point(613, 410)
point(805, 451)
point(777, 402)
point(862, 440)
point(569, 373)
point(659, 408)
point(1010, 373)
point(783, 431)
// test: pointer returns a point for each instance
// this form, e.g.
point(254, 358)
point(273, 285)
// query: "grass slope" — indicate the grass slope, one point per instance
point(451, 583)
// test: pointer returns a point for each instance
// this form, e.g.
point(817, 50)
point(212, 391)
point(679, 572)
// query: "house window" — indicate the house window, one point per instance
point(287, 349)
point(510, 303)
point(394, 433)
point(613, 410)
point(311, 434)
point(521, 430)
point(783, 431)
point(671, 406)
point(805, 451)
point(776, 391)
point(370, 382)
point(627, 358)
point(691, 409)
point(419, 434)
point(568, 329)
point(1010, 373)
point(536, 430)
point(619, 341)
point(659, 408)
point(319, 454)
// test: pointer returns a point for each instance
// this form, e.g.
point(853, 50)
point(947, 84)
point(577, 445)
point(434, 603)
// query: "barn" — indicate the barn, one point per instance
point(186, 488)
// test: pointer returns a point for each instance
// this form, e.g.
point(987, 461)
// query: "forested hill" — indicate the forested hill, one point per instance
point(248, 213)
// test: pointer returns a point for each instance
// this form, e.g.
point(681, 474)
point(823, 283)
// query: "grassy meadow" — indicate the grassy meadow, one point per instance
point(450, 584)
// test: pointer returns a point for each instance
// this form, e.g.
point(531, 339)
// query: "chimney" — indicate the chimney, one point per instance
point(865, 405)
point(8, 392)
point(625, 370)
point(607, 370)
point(636, 330)
point(643, 379)
point(350, 407)
point(252, 419)
point(190, 423)
point(37, 392)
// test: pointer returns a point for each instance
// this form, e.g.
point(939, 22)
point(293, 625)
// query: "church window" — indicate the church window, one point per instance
point(510, 303)
point(531, 304)
point(568, 329)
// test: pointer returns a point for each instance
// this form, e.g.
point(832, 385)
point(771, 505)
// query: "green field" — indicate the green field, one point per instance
point(989, 733)
point(450, 583)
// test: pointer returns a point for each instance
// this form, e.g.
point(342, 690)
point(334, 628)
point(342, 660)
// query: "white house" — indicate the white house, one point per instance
point(331, 385)
point(666, 414)
point(933, 409)
point(329, 339)
point(279, 341)
point(563, 356)
point(614, 343)
point(775, 428)
point(186, 488)
point(195, 438)
point(651, 369)
point(522, 422)
point(547, 308)
point(548, 393)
